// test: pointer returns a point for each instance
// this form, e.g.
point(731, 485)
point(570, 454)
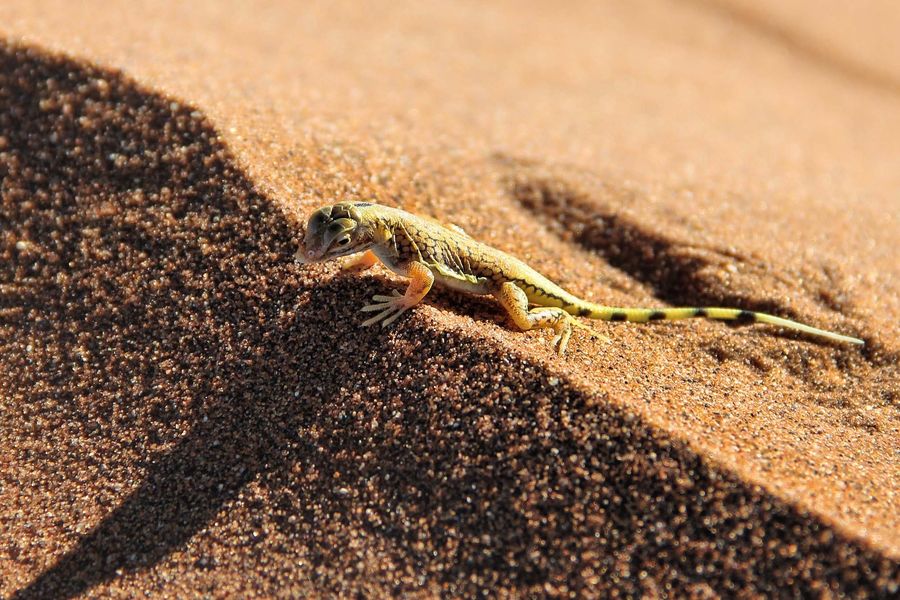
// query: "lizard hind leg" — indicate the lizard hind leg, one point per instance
point(514, 300)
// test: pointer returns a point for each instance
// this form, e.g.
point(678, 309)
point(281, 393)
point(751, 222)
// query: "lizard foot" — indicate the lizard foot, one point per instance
point(390, 308)
point(563, 333)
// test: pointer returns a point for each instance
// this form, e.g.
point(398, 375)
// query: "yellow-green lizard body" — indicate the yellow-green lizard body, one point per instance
point(428, 252)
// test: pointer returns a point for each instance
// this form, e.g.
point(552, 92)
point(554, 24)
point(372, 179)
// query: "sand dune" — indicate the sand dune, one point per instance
point(185, 410)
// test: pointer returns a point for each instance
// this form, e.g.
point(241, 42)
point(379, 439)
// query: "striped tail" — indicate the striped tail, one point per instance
point(642, 315)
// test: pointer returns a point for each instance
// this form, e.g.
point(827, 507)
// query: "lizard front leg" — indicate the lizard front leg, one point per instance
point(391, 307)
point(514, 300)
point(360, 262)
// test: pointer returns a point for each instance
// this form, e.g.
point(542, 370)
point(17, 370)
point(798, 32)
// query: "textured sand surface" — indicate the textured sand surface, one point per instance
point(184, 410)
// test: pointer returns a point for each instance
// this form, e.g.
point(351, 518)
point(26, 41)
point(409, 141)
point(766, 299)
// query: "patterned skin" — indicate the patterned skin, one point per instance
point(428, 252)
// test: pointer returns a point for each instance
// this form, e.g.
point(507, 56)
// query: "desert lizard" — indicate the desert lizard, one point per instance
point(428, 252)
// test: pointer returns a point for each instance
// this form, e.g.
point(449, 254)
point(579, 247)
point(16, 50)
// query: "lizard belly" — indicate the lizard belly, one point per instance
point(478, 286)
point(442, 275)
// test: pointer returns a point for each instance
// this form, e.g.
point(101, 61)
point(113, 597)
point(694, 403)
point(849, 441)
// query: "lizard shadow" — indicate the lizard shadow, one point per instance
point(677, 272)
point(159, 263)
point(674, 276)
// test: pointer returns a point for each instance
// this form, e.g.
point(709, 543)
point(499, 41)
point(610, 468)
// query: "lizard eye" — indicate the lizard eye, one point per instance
point(343, 241)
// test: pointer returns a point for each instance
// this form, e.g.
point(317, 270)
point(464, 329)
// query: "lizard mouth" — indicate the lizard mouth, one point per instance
point(306, 257)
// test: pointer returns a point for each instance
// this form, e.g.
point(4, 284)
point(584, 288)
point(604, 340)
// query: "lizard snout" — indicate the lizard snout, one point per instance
point(305, 256)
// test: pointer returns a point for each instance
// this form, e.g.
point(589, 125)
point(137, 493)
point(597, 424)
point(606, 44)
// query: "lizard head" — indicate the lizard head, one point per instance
point(334, 231)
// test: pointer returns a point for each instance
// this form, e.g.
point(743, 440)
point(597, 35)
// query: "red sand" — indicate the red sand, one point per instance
point(186, 411)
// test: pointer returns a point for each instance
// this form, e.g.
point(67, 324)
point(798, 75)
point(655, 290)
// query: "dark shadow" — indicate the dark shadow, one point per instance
point(675, 272)
point(155, 263)
point(813, 52)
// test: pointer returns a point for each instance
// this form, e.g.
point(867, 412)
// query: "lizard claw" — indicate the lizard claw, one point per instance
point(561, 341)
point(389, 307)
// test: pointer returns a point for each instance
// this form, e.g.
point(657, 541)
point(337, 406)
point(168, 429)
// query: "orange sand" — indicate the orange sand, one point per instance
point(186, 411)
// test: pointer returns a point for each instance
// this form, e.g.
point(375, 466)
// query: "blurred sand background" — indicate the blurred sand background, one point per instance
point(184, 410)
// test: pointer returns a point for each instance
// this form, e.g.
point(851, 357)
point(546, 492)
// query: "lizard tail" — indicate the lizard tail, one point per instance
point(642, 315)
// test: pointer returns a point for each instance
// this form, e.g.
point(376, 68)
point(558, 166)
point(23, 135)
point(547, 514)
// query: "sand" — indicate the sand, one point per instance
point(186, 411)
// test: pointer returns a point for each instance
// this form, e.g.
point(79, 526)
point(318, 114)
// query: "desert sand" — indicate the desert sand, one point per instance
point(185, 411)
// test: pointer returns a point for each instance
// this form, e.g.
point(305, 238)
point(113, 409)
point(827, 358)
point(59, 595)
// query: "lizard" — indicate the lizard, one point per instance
point(428, 252)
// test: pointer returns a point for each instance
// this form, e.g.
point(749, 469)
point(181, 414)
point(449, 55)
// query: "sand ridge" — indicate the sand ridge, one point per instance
point(197, 411)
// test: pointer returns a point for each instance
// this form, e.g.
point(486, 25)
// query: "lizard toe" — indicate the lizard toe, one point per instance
point(378, 317)
point(393, 317)
point(388, 308)
point(382, 298)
